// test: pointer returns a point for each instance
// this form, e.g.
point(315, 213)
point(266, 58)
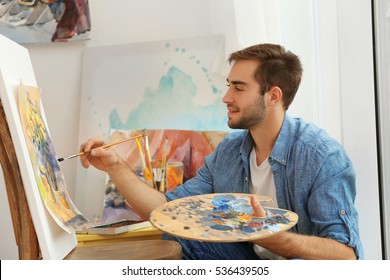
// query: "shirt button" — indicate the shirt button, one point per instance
point(342, 212)
point(283, 161)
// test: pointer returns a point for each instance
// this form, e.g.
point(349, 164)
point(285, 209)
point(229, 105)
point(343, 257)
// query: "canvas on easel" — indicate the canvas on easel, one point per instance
point(15, 66)
point(48, 174)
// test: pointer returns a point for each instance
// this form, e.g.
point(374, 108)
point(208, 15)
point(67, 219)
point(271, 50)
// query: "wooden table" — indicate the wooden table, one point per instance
point(149, 233)
point(129, 250)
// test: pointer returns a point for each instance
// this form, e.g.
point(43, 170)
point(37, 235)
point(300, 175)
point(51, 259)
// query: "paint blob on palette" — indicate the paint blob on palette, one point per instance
point(220, 217)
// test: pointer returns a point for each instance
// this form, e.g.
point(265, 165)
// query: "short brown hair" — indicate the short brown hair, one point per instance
point(277, 67)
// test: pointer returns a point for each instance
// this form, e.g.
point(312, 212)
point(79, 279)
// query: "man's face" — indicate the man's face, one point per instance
point(246, 107)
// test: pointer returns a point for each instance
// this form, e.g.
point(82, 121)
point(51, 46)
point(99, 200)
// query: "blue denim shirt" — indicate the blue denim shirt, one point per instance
point(313, 177)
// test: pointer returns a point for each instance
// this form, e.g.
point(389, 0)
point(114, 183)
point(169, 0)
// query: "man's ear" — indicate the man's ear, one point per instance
point(275, 96)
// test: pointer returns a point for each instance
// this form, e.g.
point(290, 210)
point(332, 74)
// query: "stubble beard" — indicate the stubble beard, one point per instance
point(251, 116)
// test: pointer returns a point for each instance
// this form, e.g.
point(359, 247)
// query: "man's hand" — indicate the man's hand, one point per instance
point(100, 158)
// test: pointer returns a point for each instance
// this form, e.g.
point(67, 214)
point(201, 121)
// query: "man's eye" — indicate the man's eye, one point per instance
point(235, 88)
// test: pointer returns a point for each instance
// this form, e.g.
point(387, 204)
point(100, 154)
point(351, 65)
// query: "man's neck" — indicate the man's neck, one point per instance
point(265, 135)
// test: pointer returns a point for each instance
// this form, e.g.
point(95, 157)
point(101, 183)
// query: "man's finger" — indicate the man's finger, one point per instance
point(258, 210)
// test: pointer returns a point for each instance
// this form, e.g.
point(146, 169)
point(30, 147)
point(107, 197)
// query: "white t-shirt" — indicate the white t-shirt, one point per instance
point(262, 183)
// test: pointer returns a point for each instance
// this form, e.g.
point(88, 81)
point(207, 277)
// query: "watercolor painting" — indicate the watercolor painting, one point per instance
point(155, 85)
point(44, 21)
point(50, 180)
point(186, 146)
point(220, 217)
point(169, 84)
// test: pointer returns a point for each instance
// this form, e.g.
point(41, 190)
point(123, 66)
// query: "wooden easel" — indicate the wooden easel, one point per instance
point(25, 234)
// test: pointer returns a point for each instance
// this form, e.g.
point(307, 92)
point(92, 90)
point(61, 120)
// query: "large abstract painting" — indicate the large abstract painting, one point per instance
point(44, 21)
point(50, 179)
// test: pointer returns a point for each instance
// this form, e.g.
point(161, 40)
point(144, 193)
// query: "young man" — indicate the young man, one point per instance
point(295, 163)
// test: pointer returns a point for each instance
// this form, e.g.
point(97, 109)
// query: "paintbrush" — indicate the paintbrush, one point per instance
point(163, 165)
point(146, 173)
point(104, 146)
point(149, 157)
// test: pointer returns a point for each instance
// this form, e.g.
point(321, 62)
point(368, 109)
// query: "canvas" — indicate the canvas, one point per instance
point(15, 65)
point(50, 180)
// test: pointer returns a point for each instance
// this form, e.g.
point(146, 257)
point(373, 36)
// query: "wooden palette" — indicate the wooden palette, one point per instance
point(220, 217)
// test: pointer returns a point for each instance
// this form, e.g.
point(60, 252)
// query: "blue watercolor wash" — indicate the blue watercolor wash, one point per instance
point(161, 107)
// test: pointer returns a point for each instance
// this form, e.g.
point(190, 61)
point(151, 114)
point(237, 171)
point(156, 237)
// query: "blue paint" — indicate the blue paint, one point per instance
point(276, 211)
point(247, 229)
point(214, 89)
point(231, 205)
point(214, 217)
point(221, 227)
point(222, 199)
point(223, 207)
point(175, 91)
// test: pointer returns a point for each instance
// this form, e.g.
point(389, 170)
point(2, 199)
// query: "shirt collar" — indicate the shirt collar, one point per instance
point(246, 146)
point(282, 144)
point(284, 141)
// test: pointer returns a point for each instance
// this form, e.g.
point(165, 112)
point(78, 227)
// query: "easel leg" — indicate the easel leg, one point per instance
point(24, 230)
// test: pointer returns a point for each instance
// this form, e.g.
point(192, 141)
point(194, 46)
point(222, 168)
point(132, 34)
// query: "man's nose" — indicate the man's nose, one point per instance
point(227, 98)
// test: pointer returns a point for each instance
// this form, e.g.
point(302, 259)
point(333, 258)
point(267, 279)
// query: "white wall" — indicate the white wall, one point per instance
point(58, 71)
point(357, 89)
point(58, 67)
